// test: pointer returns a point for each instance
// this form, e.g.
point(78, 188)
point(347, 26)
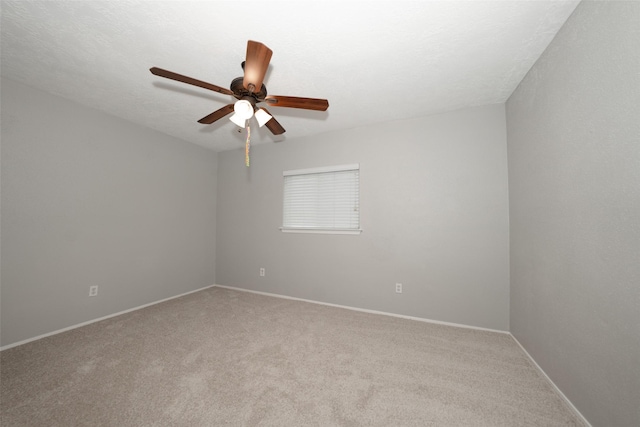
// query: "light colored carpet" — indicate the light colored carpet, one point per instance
point(222, 357)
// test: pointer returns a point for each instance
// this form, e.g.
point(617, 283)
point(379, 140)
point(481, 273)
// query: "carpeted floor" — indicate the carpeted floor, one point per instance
point(221, 357)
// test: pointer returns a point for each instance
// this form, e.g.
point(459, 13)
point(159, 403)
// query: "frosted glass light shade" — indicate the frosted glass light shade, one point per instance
point(239, 121)
point(262, 117)
point(244, 109)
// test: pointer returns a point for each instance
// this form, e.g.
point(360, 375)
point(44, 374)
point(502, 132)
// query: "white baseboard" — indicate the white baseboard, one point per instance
point(364, 310)
point(48, 334)
point(555, 387)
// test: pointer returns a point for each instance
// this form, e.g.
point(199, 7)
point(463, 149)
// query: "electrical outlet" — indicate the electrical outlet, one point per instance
point(398, 288)
point(262, 272)
point(93, 291)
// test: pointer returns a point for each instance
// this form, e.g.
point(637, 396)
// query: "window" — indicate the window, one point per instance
point(322, 200)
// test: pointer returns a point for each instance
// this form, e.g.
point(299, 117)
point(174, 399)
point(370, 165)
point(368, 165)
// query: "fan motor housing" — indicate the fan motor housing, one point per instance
point(238, 89)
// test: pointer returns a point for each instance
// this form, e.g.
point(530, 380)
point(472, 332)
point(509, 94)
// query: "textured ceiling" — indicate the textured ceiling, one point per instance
point(374, 61)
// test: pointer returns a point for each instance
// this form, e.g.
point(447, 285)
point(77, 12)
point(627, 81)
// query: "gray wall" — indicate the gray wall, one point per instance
point(434, 211)
point(90, 199)
point(574, 189)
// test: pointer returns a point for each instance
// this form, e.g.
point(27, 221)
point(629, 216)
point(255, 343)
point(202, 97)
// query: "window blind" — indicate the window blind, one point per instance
point(322, 199)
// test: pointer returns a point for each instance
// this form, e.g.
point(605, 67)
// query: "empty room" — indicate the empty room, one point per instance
point(288, 213)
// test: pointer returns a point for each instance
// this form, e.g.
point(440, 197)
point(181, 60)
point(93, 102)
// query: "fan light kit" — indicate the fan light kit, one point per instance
point(249, 90)
point(243, 112)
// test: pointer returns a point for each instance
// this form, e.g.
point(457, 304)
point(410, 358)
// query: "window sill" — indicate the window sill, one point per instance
point(319, 231)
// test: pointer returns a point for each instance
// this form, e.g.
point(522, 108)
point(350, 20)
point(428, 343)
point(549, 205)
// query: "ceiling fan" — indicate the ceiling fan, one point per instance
point(249, 90)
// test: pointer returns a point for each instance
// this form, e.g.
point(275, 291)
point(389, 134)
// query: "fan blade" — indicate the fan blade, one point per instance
point(296, 102)
point(256, 64)
point(216, 115)
point(184, 79)
point(273, 125)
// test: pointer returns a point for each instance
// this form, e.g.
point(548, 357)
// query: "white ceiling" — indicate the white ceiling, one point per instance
point(374, 61)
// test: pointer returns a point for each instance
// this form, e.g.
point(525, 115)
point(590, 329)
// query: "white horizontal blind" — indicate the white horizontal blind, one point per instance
point(322, 199)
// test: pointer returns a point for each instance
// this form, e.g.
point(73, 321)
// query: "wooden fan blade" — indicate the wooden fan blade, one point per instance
point(273, 125)
point(184, 79)
point(216, 115)
point(296, 102)
point(256, 64)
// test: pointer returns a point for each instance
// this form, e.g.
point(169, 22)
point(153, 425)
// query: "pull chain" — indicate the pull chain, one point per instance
point(247, 146)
